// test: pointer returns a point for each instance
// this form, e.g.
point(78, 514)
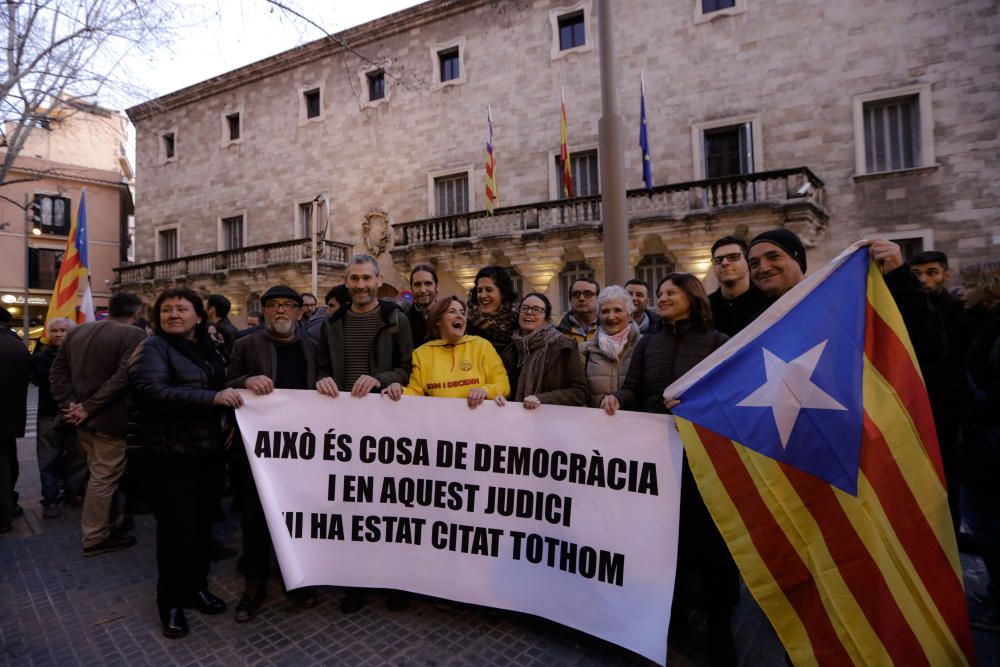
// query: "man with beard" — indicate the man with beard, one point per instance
point(424, 285)
point(308, 307)
point(362, 348)
point(279, 356)
point(737, 302)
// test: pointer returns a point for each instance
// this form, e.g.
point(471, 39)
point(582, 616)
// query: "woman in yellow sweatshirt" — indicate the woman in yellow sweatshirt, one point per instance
point(451, 364)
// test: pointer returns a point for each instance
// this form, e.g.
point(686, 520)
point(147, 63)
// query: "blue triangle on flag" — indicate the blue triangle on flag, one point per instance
point(793, 392)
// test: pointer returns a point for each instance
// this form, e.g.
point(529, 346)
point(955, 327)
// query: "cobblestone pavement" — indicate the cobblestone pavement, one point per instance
point(60, 608)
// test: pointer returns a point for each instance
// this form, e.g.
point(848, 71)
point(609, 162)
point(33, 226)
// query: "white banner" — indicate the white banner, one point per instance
point(561, 512)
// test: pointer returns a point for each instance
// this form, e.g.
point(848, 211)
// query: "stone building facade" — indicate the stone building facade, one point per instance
point(82, 147)
point(839, 120)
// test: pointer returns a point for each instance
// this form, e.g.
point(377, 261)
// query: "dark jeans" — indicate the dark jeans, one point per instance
point(61, 461)
point(8, 477)
point(256, 559)
point(184, 494)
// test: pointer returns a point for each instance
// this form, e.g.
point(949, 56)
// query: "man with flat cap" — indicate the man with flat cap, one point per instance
point(278, 356)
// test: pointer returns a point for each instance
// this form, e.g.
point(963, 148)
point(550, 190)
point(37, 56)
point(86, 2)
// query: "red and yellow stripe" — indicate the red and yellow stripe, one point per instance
point(72, 276)
point(567, 174)
point(866, 579)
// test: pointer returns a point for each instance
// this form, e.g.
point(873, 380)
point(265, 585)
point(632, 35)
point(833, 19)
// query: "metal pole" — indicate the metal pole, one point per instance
point(314, 215)
point(612, 157)
point(27, 270)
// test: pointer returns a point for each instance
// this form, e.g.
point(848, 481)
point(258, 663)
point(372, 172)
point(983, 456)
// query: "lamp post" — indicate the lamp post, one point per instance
point(316, 233)
point(612, 156)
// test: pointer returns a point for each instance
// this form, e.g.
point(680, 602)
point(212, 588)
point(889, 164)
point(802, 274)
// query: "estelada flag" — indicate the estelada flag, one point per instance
point(811, 439)
point(74, 274)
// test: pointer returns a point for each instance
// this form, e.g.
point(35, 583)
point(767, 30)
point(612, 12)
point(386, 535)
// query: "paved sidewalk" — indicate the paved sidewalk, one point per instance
point(60, 608)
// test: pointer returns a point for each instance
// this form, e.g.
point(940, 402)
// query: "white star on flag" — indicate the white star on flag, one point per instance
point(789, 390)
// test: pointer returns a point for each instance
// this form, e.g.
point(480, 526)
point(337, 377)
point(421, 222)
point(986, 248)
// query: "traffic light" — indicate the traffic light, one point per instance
point(35, 213)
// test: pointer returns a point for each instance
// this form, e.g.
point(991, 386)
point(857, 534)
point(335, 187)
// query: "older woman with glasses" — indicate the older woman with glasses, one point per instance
point(544, 366)
point(707, 577)
point(606, 358)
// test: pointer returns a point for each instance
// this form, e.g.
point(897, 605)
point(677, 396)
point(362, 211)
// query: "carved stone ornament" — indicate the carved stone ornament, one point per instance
point(376, 231)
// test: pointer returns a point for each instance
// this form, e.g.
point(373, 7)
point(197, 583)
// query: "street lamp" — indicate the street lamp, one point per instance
point(316, 234)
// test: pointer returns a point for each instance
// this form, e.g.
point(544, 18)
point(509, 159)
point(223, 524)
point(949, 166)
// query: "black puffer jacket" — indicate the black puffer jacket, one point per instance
point(660, 358)
point(170, 403)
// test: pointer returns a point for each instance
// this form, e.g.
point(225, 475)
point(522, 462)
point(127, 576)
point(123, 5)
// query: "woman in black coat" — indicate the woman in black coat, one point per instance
point(175, 444)
point(707, 577)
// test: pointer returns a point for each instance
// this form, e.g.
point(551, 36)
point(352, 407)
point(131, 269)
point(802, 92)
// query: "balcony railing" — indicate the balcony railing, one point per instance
point(270, 254)
point(674, 201)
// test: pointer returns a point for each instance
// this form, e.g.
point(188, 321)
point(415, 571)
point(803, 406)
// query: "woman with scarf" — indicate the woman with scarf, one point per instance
point(452, 364)
point(606, 358)
point(544, 366)
point(492, 307)
point(175, 445)
point(707, 577)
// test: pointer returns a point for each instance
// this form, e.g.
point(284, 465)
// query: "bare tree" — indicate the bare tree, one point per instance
point(60, 55)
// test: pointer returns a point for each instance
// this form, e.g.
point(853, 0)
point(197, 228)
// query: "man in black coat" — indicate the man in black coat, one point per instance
point(217, 307)
point(738, 301)
point(280, 356)
point(15, 369)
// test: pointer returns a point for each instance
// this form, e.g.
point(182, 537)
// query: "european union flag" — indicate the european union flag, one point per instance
point(791, 388)
point(647, 165)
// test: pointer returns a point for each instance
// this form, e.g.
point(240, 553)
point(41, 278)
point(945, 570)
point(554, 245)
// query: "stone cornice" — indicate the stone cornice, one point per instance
point(357, 38)
point(43, 169)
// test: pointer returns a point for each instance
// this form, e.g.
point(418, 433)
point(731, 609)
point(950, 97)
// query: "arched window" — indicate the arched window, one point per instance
point(572, 272)
point(652, 269)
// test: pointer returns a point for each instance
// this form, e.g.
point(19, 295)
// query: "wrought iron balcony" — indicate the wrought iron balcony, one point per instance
point(676, 201)
point(331, 253)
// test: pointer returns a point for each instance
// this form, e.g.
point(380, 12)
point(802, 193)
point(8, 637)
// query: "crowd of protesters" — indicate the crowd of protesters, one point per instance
point(163, 402)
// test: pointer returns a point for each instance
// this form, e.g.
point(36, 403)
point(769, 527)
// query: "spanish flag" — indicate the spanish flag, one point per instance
point(74, 274)
point(811, 439)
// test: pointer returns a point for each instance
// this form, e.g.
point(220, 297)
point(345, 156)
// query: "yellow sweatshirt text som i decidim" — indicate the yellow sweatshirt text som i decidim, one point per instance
point(452, 369)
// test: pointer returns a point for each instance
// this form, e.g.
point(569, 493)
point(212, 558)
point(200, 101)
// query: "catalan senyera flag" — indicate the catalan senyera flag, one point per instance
point(647, 164)
point(492, 196)
point(811, 439)
point(74, 275)
point(567, 174)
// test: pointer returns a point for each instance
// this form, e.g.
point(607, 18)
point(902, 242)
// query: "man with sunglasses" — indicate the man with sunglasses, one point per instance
point(737, 302)
point(279, 356)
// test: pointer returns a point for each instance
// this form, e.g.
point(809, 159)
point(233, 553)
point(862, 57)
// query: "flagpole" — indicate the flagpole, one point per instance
point(612, 157)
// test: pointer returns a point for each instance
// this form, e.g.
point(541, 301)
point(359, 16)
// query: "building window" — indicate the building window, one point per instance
point(43, 267)
point(311, 99)
point(52, 214)
point(517, 280)
point(893, 130)
point(708, 6)
point(728, 151)
point(572, 272)
point(376, 85)
point(167, 142)
point(232, 232)
point(167, 244)
point(583, 168)
point(451, 194)
point(652, 269)
point(572, 31)
point(450, 67)
point(305, 220)
point(892, 134)
point(233, 126)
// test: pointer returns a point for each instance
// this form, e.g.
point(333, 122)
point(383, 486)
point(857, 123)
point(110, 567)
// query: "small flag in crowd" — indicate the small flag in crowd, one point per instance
point(567, 174)
point(74, 274)
point(647, 165)
point(811, 439)
point(492, 196)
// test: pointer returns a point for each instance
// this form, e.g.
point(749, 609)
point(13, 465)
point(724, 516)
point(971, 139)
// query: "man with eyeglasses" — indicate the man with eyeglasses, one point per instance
point(737, 302)
point(580, 323)
point(278, 356)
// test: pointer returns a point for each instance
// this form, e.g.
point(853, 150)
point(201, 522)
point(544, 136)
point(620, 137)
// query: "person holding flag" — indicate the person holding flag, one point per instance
point(811, 440)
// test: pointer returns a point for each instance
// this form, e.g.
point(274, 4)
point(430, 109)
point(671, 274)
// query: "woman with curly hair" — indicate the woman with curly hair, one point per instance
point(493, 307)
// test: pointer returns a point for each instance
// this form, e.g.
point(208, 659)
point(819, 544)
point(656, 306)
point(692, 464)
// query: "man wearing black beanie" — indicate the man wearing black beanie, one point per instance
point(777, 261)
